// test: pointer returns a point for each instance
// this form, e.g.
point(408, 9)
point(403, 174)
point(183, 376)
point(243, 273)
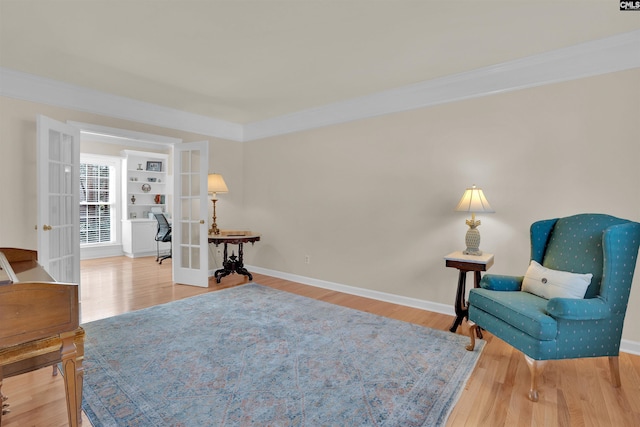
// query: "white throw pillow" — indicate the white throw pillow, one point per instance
point(547, 283)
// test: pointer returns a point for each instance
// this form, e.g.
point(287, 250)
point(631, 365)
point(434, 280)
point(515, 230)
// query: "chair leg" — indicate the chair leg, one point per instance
point(169, 255)
point(472, 335)
point(535, 367)
point(614, 367)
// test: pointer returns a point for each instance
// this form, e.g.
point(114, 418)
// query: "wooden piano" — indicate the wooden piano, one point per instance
point(39, 325)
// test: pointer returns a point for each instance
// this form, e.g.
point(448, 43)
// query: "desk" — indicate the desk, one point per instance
point(40, 325)
point(466, 263)
point(233, 264)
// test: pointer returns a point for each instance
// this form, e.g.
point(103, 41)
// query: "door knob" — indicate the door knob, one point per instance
point(47, 227)
point(202, 221)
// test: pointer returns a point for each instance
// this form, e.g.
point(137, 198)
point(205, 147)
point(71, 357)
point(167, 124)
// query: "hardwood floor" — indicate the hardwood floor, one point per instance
point(572, 392)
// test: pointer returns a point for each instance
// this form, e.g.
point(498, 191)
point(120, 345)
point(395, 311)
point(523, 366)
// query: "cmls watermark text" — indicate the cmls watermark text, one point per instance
point(629, 5)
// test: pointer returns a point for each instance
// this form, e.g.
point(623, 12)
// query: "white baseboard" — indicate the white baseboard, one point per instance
point(626, 346)
point(145, 254)
point(101, 252)
point(352, 290)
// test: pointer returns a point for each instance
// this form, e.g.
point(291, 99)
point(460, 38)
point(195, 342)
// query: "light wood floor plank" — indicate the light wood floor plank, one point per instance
point(572, 392)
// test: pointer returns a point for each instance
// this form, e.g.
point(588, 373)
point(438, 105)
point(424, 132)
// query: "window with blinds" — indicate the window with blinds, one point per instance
point(97, 203)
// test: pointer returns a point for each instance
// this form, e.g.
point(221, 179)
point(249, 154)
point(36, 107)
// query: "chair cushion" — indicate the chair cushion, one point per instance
point(522, 310)
point(547, 283)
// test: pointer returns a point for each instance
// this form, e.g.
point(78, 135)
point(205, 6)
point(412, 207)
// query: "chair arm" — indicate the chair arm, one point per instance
point(496, 282)
point(578, 309)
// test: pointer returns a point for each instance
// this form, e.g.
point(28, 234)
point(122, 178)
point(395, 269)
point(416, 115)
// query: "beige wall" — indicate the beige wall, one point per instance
point(371, 202)
point(18, 166)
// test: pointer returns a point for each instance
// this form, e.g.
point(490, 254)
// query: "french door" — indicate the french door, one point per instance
point(58, 199)
point(189, 228)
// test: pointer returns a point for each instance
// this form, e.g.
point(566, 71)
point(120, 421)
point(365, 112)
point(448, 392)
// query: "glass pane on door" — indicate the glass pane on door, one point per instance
point(190, 203)
point(61, 206)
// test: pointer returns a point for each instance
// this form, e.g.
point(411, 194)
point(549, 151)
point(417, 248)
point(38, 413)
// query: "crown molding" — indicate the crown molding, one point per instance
point(16, 84)
point(611, 54)
point(109, 135)
point(617, 53)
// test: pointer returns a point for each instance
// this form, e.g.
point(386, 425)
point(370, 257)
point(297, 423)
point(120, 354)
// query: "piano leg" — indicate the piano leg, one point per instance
point(79, 340)
point(72, 353)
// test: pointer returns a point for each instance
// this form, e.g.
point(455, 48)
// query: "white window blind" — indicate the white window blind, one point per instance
point(97, 203)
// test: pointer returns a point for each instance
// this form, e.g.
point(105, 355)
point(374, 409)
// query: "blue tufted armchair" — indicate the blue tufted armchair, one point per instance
point(564, 328)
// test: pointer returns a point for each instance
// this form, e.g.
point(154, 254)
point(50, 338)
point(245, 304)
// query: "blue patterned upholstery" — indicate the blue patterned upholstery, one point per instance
point(562, 328)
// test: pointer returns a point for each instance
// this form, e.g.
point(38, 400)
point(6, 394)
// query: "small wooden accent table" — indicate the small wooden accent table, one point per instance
point(233, 264)
point(466, 263)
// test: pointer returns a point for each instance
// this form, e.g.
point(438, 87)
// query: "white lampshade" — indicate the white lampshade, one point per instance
point(473, 200)
point(216, 184)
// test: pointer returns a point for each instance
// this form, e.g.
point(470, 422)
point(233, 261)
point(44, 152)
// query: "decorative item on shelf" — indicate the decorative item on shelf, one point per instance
point(139, 167)
point(159, 199)
point(133, 199)
point(154, 166)
point(215, 184)
point(146, 188)
point(134, 178)
point(133, 215)
point(151, 179)
point(474, 201)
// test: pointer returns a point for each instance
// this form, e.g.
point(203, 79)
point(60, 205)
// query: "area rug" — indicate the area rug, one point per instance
point(255, 356)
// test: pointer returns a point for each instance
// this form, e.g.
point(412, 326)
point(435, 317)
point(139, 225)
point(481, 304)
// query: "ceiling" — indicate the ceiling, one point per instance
point(251, 60)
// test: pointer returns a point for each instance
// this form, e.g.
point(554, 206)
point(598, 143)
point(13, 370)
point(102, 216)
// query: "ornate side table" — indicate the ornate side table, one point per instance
point(233, 264)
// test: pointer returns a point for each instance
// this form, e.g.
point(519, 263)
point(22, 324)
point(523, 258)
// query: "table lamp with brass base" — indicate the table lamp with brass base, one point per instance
point(215, 184)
